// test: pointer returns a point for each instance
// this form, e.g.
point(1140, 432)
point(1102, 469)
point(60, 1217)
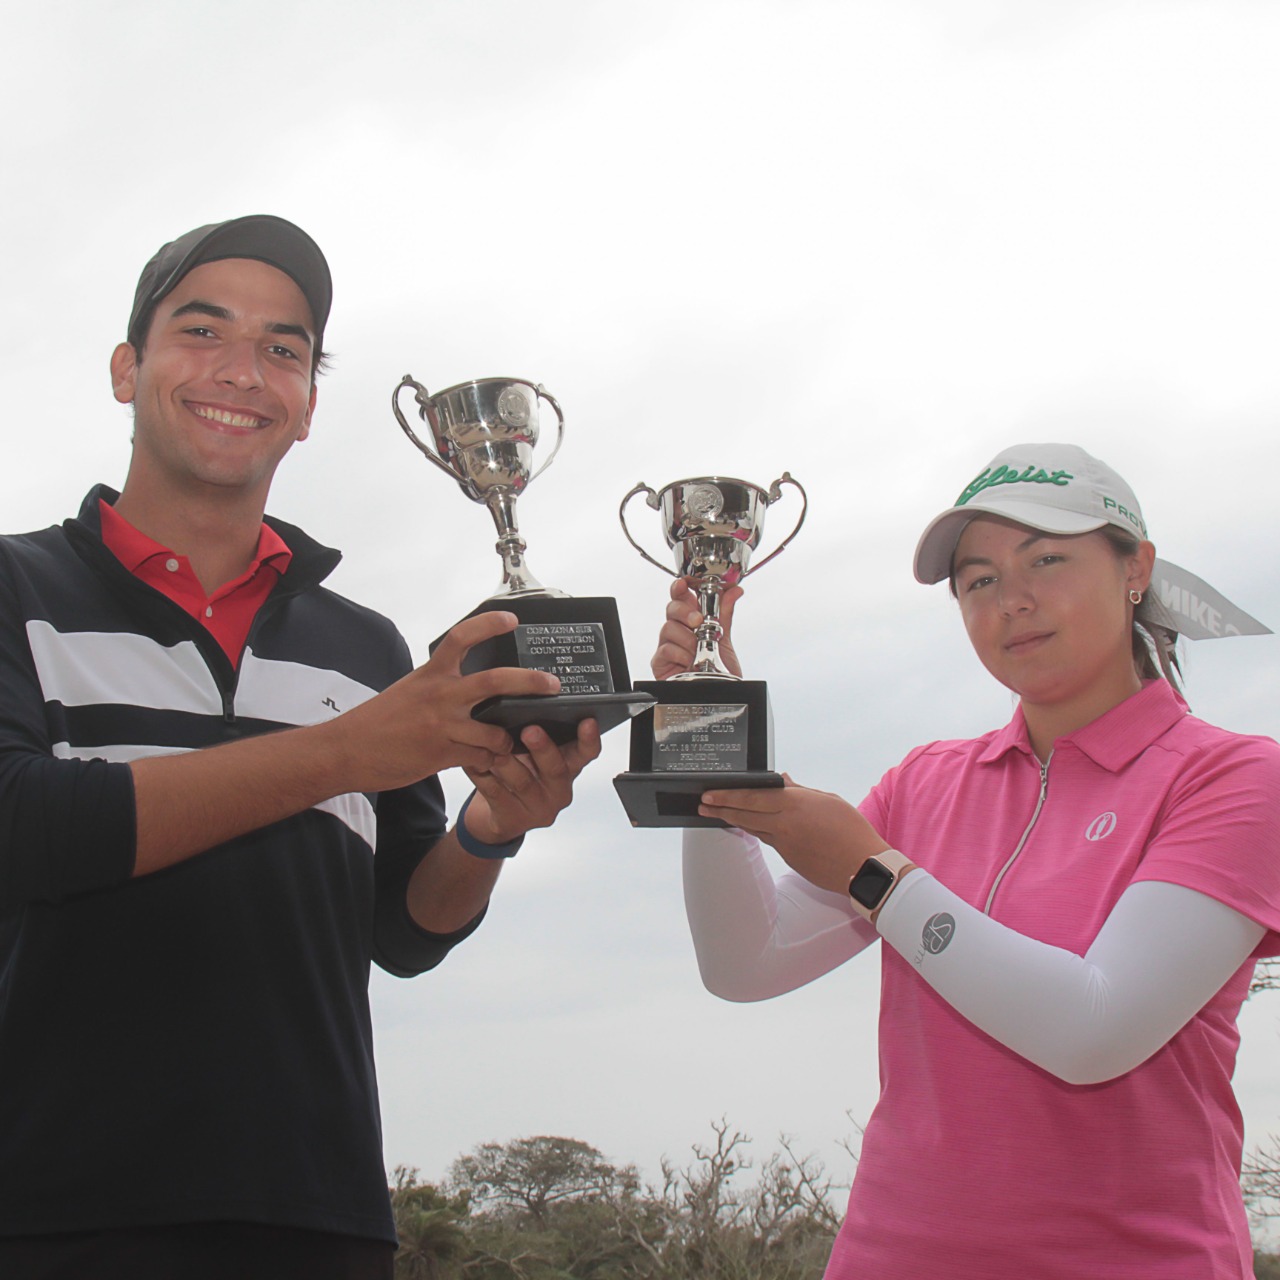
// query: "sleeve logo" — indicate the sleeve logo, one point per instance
point(939, 929)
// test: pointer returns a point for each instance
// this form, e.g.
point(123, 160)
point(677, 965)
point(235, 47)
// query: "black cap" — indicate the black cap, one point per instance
point(261, 236)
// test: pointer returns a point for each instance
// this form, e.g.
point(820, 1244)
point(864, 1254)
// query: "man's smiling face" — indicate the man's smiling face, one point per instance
point(224, 386)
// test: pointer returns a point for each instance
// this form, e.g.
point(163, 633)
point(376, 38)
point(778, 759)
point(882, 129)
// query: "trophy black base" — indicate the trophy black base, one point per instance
point(578, 639)
point(702, 735)
point(559, 715)
point(671, 799)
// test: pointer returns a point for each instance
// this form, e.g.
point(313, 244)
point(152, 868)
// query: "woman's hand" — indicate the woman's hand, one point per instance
point(676, 641)
point(817, 833)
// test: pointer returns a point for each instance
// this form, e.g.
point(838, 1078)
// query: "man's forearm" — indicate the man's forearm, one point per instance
point(418, 726)
point(450, 887)
point(188, 803)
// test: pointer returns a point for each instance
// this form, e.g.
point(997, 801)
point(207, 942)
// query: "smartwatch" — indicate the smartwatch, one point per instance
point(875, 881)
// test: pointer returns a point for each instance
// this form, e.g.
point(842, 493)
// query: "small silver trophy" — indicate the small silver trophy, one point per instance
point(485, 433)
point(709, 728)
point(713, 525)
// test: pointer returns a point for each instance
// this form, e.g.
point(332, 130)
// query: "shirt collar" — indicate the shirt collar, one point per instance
point(133, 548)
point(312, 561)
point(1114, 739)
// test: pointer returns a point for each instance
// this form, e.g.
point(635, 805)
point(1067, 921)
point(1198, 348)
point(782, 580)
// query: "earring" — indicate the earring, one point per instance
point(1135, 596)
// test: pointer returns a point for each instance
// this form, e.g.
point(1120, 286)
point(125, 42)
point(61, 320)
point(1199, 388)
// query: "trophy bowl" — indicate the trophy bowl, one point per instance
point(712, 524)
point(485, 432)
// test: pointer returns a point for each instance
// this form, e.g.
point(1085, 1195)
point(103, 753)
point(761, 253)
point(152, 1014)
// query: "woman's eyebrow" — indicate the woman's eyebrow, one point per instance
point(1022, 546)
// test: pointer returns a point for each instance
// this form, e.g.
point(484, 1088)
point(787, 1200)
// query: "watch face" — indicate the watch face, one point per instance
point(870, 885)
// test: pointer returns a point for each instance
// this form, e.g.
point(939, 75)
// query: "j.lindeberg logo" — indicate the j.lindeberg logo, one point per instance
point(1101, 827)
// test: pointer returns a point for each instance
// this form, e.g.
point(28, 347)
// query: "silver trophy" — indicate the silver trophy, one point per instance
point(713, 525)
point(708, 728)
point(485, 433)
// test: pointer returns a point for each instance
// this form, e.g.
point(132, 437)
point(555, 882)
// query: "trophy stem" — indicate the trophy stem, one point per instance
point(516, 577)
point(706, 659)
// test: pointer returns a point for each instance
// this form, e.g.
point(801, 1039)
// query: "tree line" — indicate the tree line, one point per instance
point(551, 1208)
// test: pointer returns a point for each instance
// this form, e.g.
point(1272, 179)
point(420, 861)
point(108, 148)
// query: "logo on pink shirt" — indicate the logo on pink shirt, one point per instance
point(1101, 827)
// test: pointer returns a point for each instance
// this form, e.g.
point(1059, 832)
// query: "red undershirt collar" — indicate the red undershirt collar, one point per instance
point(229, 612)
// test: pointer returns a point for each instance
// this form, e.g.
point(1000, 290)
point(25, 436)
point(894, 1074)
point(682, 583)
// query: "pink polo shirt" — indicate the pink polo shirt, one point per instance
point(977, 1165)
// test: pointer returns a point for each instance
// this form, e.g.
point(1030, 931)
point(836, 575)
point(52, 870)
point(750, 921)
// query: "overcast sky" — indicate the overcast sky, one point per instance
point(871, 243)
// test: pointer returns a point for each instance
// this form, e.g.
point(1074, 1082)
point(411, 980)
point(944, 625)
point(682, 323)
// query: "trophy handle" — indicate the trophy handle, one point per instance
point(775, 492)
point(652, 500)
point(422, 397)
point(541, 391)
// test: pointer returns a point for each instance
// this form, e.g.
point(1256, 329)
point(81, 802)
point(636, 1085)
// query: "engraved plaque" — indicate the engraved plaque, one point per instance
point(698, 737)
point(576, 652)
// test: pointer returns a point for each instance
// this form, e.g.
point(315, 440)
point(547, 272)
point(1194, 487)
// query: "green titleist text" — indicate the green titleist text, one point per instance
point(1007, 475)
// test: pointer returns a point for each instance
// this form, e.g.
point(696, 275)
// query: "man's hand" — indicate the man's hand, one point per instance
point(817, 833)
point(514, 795)
point(422, 724)
point(677, 643)
point(520, 792)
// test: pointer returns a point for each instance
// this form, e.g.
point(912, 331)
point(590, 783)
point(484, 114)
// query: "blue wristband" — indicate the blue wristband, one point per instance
point(478, 848)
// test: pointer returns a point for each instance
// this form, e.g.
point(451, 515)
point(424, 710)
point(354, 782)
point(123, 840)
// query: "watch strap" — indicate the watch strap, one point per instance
point(478, 848)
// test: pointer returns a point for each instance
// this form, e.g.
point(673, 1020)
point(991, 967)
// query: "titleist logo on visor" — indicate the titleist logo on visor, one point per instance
point(1008, 475)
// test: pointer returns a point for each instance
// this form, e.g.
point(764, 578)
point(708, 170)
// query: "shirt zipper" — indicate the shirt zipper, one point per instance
point(207, 647)
point(1044, 787)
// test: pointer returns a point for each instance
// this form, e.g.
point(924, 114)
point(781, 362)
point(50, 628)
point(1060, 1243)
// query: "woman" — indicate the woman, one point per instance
point(1072, 907)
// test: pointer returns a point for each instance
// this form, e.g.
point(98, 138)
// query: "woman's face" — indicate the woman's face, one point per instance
point(1049, 614)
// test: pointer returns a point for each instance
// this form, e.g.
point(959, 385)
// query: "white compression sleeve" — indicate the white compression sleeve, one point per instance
point(756, 938)
point(1161, 954)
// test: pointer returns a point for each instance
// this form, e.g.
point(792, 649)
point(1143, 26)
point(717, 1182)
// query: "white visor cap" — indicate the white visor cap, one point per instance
point(1056, 488)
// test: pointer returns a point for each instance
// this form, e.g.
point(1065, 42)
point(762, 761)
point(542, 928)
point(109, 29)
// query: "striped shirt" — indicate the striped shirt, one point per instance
point(193, 1045)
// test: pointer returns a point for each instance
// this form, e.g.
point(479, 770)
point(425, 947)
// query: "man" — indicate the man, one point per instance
point(200, 749)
